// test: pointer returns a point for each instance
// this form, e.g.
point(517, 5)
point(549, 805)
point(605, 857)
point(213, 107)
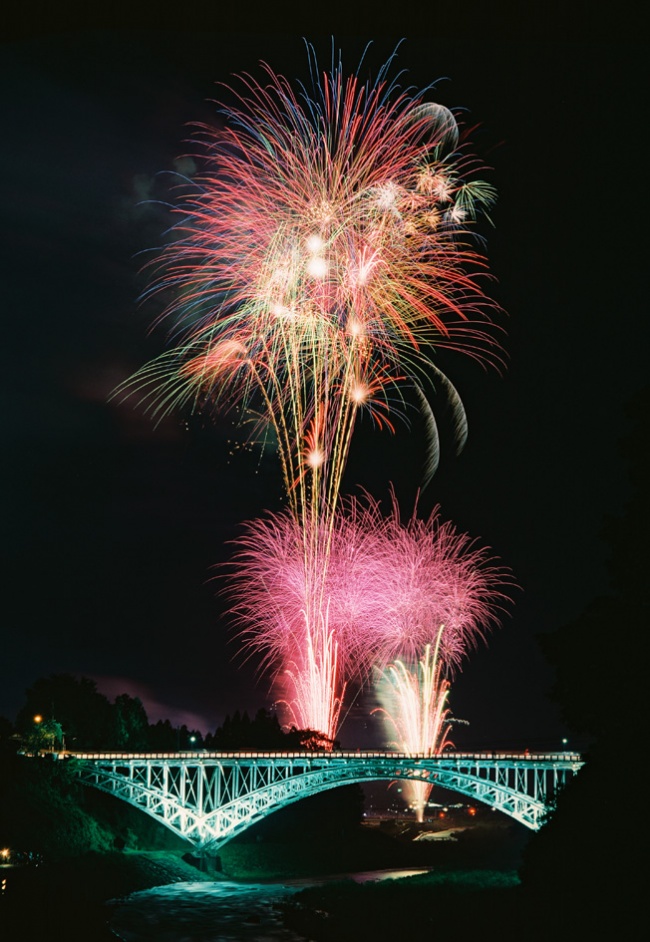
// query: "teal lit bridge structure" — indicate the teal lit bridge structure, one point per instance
point(209, 797)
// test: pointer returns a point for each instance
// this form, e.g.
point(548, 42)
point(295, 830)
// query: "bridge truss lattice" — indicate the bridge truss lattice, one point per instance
point(208, 798)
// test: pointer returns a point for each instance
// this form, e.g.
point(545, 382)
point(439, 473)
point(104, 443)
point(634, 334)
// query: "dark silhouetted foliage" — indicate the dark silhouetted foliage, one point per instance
point(130, 723)
point(264, 733)
point(583, 859)
point(86, 720)
point(84, 714)
point(43, 809)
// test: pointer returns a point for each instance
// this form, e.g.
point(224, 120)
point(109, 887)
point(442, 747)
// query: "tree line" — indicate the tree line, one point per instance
point(64, 712)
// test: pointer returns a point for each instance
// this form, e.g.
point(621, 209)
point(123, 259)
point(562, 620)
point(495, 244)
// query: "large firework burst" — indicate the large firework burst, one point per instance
point(318, 259)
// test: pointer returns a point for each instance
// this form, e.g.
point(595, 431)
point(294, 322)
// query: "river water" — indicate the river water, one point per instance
point(224, 911)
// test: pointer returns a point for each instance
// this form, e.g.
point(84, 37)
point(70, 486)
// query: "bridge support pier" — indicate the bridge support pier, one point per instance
point(204, 861)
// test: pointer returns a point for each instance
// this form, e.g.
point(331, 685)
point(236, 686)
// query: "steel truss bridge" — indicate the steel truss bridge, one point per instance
point(209, 797)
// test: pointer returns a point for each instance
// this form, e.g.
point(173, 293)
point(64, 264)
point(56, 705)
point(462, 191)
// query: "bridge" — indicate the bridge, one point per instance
point(209, 797)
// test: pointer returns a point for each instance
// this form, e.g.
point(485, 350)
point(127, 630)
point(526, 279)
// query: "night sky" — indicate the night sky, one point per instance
point(113, 527)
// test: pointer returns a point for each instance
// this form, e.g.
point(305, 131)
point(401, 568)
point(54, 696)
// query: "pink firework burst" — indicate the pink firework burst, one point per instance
point(441, 592)
point(405, 579)
point(326, 604)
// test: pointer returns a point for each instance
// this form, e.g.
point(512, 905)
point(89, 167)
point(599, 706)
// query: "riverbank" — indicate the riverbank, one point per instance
point(423, 906)
point(66, 900)
point(473, 876)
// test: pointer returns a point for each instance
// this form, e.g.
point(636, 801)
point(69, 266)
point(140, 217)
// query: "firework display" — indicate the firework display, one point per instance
point(316, 263)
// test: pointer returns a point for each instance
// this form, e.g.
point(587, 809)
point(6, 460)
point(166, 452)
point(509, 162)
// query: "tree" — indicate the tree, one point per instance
point(130, 723)
point(8, 742)
point(84, 714)
point(599, 686)
point(44, 736)
point(265, 733)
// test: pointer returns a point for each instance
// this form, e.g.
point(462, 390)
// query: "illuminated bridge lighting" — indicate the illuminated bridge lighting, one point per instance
point(209, 797)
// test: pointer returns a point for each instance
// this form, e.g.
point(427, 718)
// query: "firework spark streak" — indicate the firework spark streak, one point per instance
point(415, 707)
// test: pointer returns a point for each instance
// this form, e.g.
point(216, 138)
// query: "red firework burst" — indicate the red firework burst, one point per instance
point(321, 255)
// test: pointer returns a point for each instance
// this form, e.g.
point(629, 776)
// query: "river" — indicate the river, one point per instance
point(224, 911)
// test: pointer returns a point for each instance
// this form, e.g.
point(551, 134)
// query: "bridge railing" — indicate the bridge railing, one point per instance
point(198, 755)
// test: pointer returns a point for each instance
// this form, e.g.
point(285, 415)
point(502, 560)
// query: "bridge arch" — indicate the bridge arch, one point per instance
point(208, 798)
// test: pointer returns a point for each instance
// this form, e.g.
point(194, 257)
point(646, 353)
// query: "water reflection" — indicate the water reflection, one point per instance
point(203, 912)
point(217, 912)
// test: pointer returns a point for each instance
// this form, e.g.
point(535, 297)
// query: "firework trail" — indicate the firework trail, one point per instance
point(300, 611)
point(388, 591)
point(415, 707)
